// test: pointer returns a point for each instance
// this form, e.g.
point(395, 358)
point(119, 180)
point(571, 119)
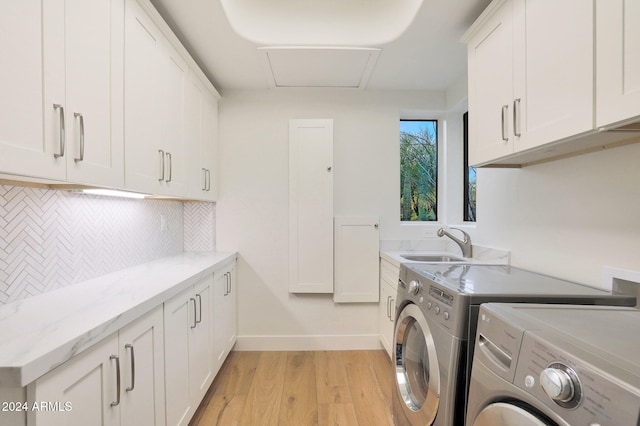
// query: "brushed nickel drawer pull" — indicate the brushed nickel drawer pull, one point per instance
point(62, 131)
point(81, 158)
point(133, 368)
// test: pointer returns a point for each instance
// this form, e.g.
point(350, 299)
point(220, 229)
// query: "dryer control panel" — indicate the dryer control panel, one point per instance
point(578, 392)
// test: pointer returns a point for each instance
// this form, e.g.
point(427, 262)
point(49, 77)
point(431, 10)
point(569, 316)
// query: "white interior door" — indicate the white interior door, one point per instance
point(311, 206)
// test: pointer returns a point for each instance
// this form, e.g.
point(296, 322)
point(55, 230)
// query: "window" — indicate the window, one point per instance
point(469, 176)
point(418, 170)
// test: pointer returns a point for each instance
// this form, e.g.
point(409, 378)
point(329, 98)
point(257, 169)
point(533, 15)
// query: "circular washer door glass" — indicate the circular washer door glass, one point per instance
point(416, 366)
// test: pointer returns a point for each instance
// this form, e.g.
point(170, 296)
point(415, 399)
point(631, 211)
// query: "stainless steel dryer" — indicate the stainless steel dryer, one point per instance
point(436, 314)
point(556, 365)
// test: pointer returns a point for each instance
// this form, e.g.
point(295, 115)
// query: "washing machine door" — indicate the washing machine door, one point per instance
point(503, 414)
point(416, 367)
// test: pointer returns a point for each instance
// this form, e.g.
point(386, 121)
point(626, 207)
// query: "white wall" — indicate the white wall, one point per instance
point(252, 207)
point(567, 218)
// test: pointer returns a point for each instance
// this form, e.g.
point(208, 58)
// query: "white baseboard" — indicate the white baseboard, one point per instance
point(308, 343)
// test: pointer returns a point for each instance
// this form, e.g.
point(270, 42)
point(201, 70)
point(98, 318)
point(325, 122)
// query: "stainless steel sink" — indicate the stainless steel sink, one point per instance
point(432, 258)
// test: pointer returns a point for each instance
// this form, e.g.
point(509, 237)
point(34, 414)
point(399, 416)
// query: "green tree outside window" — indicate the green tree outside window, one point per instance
point(418, 170)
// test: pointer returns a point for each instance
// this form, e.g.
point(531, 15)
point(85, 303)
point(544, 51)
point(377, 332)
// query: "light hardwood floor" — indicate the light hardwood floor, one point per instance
point(347, 388)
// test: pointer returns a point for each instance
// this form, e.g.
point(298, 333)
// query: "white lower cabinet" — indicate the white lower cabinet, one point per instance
point(188, 351)
point(119, 381)
point(154, 371)
point(224, 314)
point(389, 275)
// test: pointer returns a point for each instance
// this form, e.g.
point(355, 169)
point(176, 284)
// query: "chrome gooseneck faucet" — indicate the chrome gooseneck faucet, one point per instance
point(465, 243)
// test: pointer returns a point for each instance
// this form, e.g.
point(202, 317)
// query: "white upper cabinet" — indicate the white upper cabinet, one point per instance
point(490, 65)
point(61, 81)
point(530, 76)
point(553, 71)
point(618, 61)
point(201, 131)
point(94, 88)
point(154, 90)
point(29, 123)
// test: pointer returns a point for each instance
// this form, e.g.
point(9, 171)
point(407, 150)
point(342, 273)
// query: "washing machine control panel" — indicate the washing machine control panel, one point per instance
point(578, 392)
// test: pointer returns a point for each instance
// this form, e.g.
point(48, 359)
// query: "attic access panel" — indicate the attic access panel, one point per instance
point(346, 67)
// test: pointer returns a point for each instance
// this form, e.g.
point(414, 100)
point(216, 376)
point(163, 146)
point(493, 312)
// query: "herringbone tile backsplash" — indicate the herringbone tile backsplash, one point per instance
point(50, 239)
point(199, 227)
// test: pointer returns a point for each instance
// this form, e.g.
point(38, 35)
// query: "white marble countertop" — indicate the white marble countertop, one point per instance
point(42, 332)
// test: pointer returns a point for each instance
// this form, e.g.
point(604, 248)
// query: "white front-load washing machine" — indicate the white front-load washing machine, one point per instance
point(556, 365)
point(436, 314)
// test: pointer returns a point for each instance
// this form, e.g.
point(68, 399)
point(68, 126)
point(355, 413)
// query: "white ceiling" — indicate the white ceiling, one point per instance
point(425, 56)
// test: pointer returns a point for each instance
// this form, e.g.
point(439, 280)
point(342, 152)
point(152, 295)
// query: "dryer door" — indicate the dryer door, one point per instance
point(416, 367)
point(503, 414)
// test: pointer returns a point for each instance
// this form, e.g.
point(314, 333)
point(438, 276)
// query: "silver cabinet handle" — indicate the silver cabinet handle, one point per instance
point(81, 158)
point(168, 154)
point(204, 179)
point(227, 283)
point(62, 130)
point(161, 152)
point(505, 129)
point(133, 368)
point(208, 180)
point(391, 311)
point(117, 358)
point(388, 306)
point(195, 313)
point(199, 320)
point(516, 118)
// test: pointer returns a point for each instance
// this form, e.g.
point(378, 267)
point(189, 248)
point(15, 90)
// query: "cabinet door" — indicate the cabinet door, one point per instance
point(357, 256)
point(386, 315)
point(224, 311)
point(143, 45)
point(220, 290)
point(200, 358)
point(31, 83)
point(194, 95)
point(232, 308)
point(490, 63)
point(311, 206)
point(172, 72)
point(209, 145)
point(553, 71)
point(200, 133)
point(88, 383)
point(618, 60)
point(142, 371)
point(179, 317)
point(94, 89)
